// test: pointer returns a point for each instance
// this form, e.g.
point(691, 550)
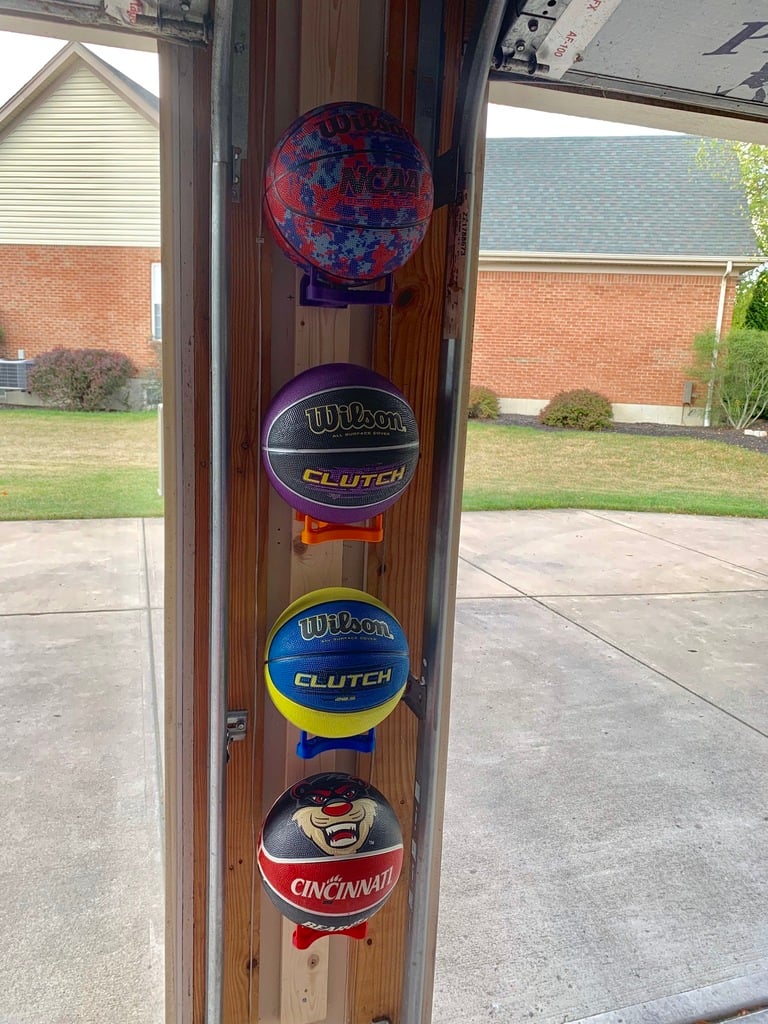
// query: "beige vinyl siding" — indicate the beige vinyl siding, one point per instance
point(81, 168)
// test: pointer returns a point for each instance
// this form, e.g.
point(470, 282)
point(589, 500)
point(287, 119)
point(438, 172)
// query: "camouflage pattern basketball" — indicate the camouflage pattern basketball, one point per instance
point(348, 191)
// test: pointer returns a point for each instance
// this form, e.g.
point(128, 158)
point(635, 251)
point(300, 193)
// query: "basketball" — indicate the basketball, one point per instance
point(348, 190)
point(336, 662)
point(340, 443)
point(330, 852)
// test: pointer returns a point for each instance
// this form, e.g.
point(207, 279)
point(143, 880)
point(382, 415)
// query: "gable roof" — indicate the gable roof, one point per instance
point(638, 195)
point(68, 57)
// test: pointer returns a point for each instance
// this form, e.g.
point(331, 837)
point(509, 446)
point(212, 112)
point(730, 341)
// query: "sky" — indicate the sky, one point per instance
point(22, 56)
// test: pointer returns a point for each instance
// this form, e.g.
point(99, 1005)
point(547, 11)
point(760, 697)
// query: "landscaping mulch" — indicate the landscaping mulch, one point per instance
point(725, 435)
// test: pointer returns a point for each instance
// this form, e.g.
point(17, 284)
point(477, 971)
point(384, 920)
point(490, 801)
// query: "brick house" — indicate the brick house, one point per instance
point(80, 212)
point(600, 260)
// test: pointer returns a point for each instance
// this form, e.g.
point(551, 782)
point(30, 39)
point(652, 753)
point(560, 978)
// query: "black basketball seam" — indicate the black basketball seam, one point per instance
point(332, 507)
point(363, 227)
point(321, 220)
point(368, 855)
point(339, 451)
point(326, 156)
point(343, 387)
point(336, 654)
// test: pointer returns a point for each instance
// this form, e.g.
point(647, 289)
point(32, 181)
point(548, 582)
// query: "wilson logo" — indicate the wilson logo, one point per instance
point(352, 419)
point(362, 121)
point(342, 624)
point(374, 181)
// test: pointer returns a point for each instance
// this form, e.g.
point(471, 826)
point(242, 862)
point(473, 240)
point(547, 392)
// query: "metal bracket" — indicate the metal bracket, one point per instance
point(237, 727)
point(415, 696)
point(525, 29)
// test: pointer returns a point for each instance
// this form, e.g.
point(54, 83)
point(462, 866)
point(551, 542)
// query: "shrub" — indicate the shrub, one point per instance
point(581, 409)
point(79, 379)
point(483, 404)
point(756, 313)
point(739, 379)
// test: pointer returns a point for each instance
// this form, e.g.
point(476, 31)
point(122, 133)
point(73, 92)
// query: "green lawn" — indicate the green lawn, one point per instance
point(57, 465)
point(78, 465)
point(521, 467)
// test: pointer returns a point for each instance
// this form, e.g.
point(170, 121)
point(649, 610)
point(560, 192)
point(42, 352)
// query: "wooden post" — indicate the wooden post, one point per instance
point(304, 53)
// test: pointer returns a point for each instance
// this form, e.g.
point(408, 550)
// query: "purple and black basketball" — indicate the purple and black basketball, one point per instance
point(340, 443)
point(349, 191)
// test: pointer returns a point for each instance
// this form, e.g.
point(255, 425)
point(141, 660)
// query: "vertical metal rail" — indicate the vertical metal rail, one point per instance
point(221, 90)
point(445, 523)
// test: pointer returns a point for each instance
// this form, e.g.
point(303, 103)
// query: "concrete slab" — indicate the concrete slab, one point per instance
point(82, 936)
point(724, 1003)
point(154, 547)
point(606, 833)
point(475, 582)
point(71, 565)
point(741, 542)
point(716, 645)
point(575, 552)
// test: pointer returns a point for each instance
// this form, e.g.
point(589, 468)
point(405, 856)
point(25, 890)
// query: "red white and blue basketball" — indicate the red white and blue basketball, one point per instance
point(349, 191)
point(340, 443)
point(330, 852)
point(336, 662)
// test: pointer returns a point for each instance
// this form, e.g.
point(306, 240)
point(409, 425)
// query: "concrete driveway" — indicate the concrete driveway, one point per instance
point(606, 837)
point(606, 823)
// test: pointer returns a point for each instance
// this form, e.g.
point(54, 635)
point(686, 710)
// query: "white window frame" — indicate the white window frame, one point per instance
point(156, 300)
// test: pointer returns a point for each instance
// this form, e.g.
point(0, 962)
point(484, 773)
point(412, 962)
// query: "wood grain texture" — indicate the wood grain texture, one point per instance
point(250, 343)
point(177, 180)
point(327, 71)
point(407, 349)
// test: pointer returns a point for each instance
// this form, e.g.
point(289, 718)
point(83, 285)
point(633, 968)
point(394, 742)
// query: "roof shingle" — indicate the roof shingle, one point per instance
point(639, 195)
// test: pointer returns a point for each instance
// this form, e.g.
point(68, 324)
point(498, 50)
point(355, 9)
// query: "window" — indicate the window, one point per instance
point(157, 303)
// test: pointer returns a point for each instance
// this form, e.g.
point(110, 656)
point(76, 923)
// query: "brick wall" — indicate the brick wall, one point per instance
point(628, 336)
point(77, 297)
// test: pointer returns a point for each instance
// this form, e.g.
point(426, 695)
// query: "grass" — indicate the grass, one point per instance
point(520, 467)
point(59, 465)
point(78, 465)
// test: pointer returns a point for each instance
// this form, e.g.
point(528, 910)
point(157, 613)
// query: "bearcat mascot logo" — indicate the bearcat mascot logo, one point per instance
point(331, 851)
point(333, 812)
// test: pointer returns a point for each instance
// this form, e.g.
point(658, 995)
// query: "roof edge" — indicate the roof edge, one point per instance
point(489, 256)
point(56, 68)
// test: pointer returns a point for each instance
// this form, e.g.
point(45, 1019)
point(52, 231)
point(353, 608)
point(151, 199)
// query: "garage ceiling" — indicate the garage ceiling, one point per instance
point(170, 19)
point(697, 54)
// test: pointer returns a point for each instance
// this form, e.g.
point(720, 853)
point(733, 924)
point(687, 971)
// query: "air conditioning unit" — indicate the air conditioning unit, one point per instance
point(13, 374)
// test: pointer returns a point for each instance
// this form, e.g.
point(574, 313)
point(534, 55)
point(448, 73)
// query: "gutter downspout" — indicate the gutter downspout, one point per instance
point(718, 331)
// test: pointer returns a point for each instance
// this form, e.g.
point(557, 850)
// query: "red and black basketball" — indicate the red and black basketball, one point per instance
point(330, 852)
point(349, 191)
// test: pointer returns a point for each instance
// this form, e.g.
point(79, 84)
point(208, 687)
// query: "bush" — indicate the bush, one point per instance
point(580, 409)
point(483, 404)
point(756, 313)
point(79, 379)
point(739, 380)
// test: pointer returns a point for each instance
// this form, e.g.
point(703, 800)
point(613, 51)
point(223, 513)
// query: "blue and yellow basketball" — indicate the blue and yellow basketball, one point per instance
point(336, 662)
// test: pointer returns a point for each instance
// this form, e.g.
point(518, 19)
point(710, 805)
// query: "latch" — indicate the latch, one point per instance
point(237, 727)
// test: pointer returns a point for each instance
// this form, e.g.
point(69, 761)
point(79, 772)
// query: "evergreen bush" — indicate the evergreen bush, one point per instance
point(581, 409)
point(483, 404)
point(756, 313)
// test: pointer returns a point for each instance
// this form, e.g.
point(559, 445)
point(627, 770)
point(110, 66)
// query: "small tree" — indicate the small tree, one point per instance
point(756, 313)
point(79, 379)
point(739, 377)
